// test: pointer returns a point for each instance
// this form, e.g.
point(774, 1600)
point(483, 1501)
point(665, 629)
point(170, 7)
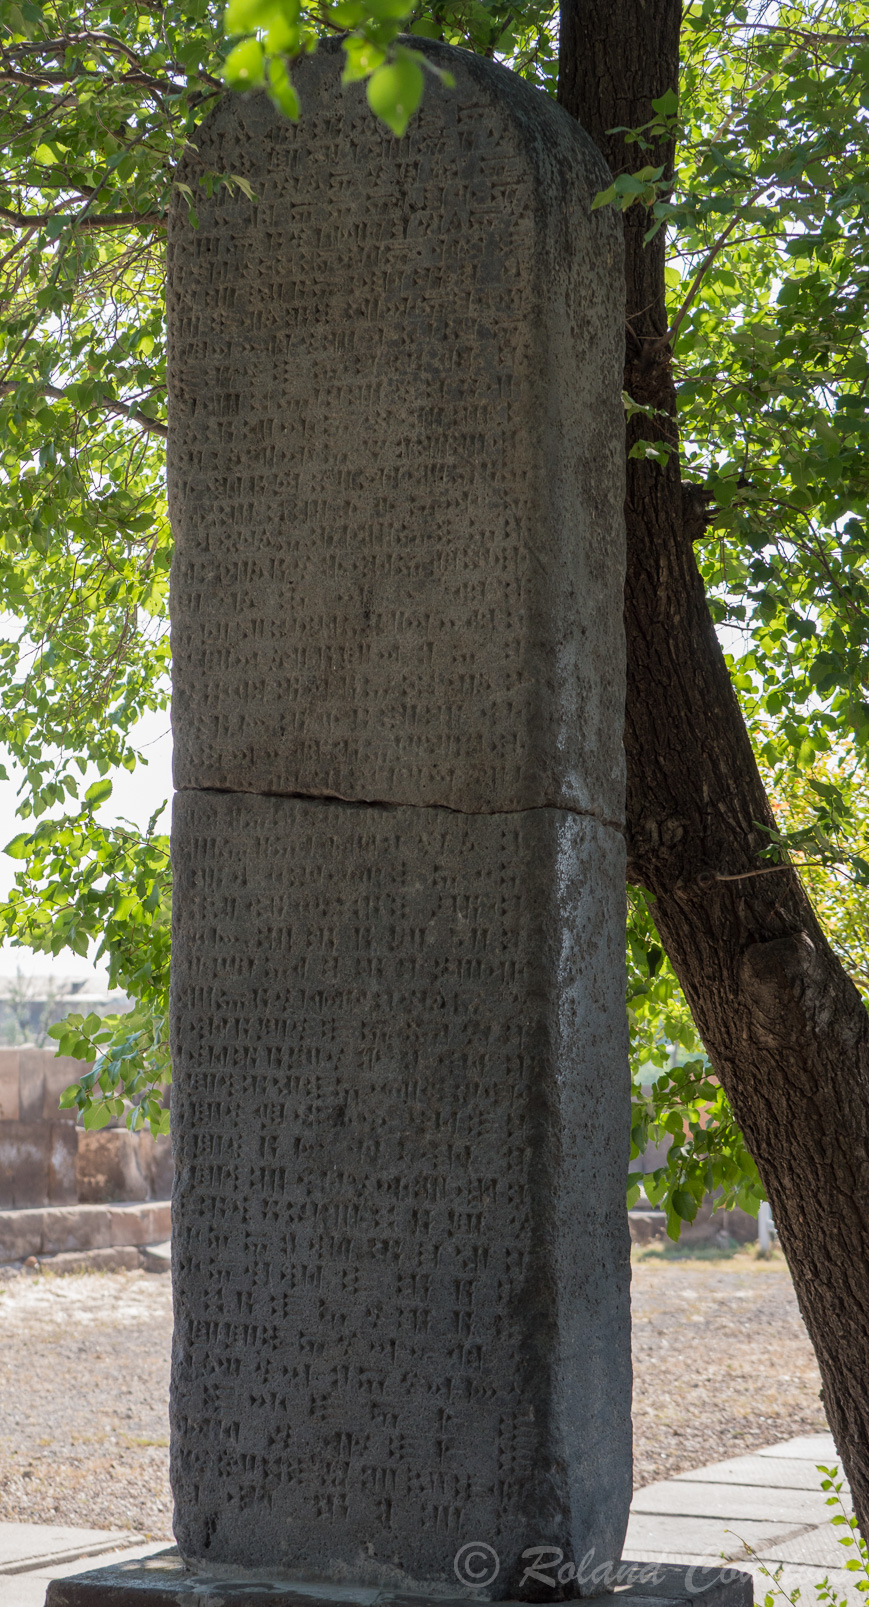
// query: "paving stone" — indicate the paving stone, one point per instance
point(804, 1578)
point(115, 1258)
point(29, 1589)
point(696, 1498)
point(668, 1537)
point(157, 1257)
point(140, 1224)
point(805, 1447)
point(26, 1546)
point(820, 1545)
point(770, 1472)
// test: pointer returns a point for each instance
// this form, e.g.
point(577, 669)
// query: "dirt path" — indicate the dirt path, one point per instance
point(721, 1359)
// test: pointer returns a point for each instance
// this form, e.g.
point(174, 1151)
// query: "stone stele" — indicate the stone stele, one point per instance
point(400, 1107)
point(400, 1101)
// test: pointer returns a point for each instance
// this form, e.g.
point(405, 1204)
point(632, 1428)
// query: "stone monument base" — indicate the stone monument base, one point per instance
point(163, 1581)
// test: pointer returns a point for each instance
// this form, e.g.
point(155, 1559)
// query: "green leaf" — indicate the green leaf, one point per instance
point(282, 91)
point(604, 197)
point(684, 1204)
point(395, 91)
point(244, 67)
point(667, 104)
point(97, 1116)
point(242, 16)
point(98, 793)
point(20, 846)
point(244, 186)
point(361, 58)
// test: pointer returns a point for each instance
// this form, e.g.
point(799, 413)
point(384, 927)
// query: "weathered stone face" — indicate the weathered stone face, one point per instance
point(395, 447)
point(400, 1103)
point(399, 1221)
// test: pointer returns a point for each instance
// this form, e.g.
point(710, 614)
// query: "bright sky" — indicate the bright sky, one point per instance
point(135, 797)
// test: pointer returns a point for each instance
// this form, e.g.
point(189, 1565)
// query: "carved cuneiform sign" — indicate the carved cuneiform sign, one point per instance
point(396, 428)
point(400, 1100)
point(402, 1314)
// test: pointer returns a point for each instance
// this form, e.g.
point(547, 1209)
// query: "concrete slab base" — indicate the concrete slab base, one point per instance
point(163, 1581)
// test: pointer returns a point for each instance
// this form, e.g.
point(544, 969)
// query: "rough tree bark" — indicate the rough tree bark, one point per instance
point(782, 1022)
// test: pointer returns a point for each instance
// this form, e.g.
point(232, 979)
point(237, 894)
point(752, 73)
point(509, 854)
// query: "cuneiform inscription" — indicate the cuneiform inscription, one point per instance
point(366, 1161)
point(395, 472)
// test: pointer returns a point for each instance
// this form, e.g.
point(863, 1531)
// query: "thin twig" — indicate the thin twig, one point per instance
point(103, 220)
point(724, 128)
point(706, 264)
point(767, 871)
point(120, 408)
point(744, 875)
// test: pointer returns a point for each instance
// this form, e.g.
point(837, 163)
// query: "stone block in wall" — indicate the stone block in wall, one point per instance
point(8, 1157)
point(63, 1152)
point(10, 1110)
point(76, 1227)
point(741, 1225)
point(155, 1160)
point(25, 1152)
point(108, 1167)
point(647, 1225)
point(55, 1230)
point(31, 1084)
point(140, 1224)
point(59, 1071)
point(22, 1233)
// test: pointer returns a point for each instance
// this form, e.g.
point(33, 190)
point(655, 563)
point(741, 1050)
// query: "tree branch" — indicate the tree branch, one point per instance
point(45, 79)
point(121, 409)
point(100, 42)
point(102, 220)
point(706, 264)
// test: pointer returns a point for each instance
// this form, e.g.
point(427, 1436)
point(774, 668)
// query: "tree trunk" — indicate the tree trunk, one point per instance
point(782, 1022)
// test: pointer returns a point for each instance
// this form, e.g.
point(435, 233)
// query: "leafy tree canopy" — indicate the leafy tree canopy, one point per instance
point(768, 280)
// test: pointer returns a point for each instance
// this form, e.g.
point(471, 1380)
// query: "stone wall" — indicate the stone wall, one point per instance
point(46, 1160)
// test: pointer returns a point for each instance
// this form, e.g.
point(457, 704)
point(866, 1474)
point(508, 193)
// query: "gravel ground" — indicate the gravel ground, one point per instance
point(84, 1380)
point(721, 1359)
